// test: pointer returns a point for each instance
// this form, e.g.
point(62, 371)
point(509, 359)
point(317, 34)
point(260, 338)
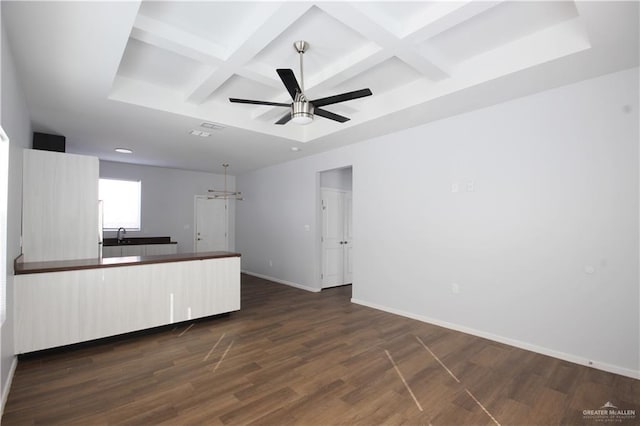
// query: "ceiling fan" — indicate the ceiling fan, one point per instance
point(302, 110)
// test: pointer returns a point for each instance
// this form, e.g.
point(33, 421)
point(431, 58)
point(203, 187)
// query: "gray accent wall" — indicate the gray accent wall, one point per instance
point(518, 222)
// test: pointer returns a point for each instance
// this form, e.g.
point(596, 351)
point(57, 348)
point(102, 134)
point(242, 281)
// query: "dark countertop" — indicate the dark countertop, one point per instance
point(136, 241)
point(110, 262)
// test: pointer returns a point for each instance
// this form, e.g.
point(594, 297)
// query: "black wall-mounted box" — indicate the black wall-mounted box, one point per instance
point(47, 142)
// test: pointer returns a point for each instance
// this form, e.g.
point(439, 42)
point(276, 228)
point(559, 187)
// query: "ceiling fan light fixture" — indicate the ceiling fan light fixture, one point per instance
point(301, 112)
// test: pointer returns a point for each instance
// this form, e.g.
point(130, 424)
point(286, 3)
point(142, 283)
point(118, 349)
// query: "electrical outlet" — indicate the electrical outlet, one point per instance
point(271, 263)
point(455, 288)
point(470, 186)
point(455, 187)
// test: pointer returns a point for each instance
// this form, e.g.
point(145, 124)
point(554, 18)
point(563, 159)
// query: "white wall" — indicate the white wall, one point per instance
point(277, 220)
point(16, 123)
point(337, 179)
point(168, 200)
point(544, 251)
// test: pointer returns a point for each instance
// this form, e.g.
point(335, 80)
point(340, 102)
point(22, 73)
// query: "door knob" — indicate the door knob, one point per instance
point(199, 239)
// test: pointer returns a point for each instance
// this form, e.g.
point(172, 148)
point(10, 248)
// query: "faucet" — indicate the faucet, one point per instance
point(121, 237)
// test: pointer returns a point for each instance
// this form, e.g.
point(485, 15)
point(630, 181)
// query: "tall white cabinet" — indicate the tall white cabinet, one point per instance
point(59, 206)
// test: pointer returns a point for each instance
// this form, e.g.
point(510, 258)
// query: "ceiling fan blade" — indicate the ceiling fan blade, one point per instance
point(285, 119)
point(331, 116)
point(248, 101)
point(341, 97)
point(289, 80)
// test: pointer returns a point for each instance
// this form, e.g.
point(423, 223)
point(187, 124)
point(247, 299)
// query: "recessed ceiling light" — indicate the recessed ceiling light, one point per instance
point(212, 126)
point(295, 149)
point(200, 133)
point(123, 151)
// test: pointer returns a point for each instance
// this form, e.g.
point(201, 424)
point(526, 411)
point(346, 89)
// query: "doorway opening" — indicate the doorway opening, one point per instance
point(336, 230)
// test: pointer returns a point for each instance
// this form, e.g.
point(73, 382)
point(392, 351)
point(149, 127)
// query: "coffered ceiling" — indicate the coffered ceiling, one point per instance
point(142, 75)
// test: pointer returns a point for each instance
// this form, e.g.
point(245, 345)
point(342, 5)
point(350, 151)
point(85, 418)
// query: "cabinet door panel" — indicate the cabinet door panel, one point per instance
point(136, 250)
point(111, 251)
point(154, 249)
point(60, 206)
point(213, 287)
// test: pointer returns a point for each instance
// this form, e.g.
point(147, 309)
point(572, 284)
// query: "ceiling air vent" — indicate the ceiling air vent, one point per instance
point(212, 126)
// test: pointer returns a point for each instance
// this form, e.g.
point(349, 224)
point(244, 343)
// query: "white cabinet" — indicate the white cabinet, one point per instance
point(59, 206)
point(134, 250)
point(139, 250)
point(153, 249)
point(111, 251)
point(61, 308)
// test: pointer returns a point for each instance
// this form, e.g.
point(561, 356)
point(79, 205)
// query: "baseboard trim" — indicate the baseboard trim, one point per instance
point(279, 281)
point(7, 386)
point(508, 341)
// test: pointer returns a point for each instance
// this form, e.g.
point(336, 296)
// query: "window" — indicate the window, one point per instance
point(120, 203)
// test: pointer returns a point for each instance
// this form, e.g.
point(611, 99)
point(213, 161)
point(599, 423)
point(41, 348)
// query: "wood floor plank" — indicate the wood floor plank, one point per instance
point(291, 357)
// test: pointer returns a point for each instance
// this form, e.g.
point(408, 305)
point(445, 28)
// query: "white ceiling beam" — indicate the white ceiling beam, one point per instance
point(444, 16)
point(353, 17)
point(261, 74)
point(264, 34)
point(356, 18)
point(424, 65)
point(170, 46)
point(202, 89)
point(356, 63)
point(170, 38)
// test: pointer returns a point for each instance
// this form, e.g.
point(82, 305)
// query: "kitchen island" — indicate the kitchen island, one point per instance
point(64, 302)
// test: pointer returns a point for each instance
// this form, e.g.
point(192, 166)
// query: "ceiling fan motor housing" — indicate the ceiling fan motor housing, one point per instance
point(301, 111)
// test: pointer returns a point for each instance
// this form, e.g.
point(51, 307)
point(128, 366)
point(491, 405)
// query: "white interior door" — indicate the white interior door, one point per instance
point(211, 233)
point(336, 237)
point(332, 237)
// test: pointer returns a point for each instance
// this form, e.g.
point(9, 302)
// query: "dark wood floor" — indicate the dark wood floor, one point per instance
point(294, 357)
